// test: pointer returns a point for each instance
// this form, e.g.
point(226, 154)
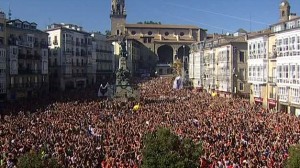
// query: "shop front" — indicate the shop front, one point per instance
point(272, 103)
point(258, 101)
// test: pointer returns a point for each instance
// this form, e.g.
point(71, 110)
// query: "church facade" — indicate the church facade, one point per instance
point(152, 47)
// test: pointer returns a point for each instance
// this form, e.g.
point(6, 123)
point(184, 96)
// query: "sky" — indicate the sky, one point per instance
point(217, 16)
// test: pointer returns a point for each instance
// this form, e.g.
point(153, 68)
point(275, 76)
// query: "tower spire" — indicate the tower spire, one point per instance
point(9, 11)
point(118, 17)
point(285, 10)
point(118, 8)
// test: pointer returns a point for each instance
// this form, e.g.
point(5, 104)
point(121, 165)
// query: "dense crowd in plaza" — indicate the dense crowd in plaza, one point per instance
point(108, 133)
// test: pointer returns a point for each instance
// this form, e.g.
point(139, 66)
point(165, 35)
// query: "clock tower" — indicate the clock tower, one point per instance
point(284, 10)
point(118, 17)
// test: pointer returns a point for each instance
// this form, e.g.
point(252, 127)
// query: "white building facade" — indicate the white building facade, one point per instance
point(258, 68)
point(288, 70)
point(71, 58)
point(196, 65)
point(103, 56)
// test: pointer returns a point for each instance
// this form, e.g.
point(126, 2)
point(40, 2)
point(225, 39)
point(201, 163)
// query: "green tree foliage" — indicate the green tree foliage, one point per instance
point(36, 160)
point(163, 149)
point(149, 22)
point(107, 32)
point(294, 157)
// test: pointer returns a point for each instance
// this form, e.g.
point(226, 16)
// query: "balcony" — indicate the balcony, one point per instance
point(283, 98)
point(76, 75)
point(295, 100)
point(257, 79)
point(68, 52)
point(288, 81)
point(25, 85)
point(23, 71)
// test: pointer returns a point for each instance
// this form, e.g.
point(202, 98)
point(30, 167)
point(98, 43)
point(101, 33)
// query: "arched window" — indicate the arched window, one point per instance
point(149, 33)
point(118, 32)
point(282, 13)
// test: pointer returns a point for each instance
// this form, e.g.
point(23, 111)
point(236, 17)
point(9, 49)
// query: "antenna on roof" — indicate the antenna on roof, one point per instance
point(9, 11)
point(250, 22)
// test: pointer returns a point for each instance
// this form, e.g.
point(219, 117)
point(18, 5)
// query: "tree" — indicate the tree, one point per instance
point(293, 160)
point(107, 32)
point(163, 149)
point(36, 160)
point(149, 22)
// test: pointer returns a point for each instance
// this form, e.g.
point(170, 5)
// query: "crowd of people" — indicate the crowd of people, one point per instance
point(106, 133)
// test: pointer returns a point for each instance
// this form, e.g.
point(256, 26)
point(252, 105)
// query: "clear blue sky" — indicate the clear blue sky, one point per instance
point(93, 15)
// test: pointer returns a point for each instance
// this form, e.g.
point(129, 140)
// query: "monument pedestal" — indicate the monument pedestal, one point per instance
point(124, 89)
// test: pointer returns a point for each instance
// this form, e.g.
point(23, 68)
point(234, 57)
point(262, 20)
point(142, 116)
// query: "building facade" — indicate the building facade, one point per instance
point(3, 71)
point(273, 64)
point(71, 58)
point(219, 65)
point(258, 47)
point(159, 44)
point(288, 70)
point(27, 60)
point(104, 58)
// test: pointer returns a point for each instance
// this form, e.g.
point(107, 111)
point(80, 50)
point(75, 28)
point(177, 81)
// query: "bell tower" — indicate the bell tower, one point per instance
point(284, 11)
point(118, 17)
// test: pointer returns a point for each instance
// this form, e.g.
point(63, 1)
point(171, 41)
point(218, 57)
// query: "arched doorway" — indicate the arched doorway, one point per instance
point(165, 54)
point(183, 51)
point(165, 58)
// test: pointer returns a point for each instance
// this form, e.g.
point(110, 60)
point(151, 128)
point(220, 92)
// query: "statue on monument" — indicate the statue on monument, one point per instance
point(124, 88)
point(123, 46)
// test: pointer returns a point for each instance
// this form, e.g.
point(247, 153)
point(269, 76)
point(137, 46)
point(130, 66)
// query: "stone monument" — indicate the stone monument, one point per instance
point(124, 89)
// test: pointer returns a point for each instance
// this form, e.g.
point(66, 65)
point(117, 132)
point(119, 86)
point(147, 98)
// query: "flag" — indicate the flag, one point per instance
point(178, 83)
point(99, 91)
point(102, 92)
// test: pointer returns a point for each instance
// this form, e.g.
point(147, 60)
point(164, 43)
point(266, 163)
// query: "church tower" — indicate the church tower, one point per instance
point(284, 11)
point(118, 17)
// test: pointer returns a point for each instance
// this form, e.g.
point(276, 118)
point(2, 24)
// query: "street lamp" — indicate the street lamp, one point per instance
point(185, 65)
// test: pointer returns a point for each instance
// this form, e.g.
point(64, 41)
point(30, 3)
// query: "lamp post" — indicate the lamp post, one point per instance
point(185, 66)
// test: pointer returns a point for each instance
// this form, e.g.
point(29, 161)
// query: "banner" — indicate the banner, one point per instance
point(178, 83)
point(105, 91)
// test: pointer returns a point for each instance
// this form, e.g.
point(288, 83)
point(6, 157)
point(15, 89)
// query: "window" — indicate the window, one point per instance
point(166, 33)
point(1, 27)
point(133, 32)
point(181, 34)
point(250, 71)
point(149, 33)
point(242, 74)
point(242, 56)
point(55, 40)
point(241, 86)
point(282, 14)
